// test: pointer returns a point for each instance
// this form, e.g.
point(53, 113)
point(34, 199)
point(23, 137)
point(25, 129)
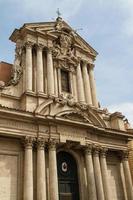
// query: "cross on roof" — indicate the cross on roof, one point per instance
point(58, 12)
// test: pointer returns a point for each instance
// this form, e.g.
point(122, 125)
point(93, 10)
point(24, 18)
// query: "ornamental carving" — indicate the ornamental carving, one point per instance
point(75, 117)
point(124, 155)
point(63, 48)
point(17, 67)
point(41, 143)
point(104, 151)
point(69, 100)
point(28, 142)
point(52, 144)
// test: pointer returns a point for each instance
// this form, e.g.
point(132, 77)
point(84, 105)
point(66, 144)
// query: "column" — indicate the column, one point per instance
point(105, 173)
point(50, 73)
point(53, 180)
point(80, 87)
point(127, 174)
point(41, 170)
point(93, 86)
point(90, 174)
point(40, 73)
point(28, 169)
point(98, 176)
point(59, 79)
point(55, 81)
point(71, 82)
point(75, 86)
point(86, 84)
point(29, 66)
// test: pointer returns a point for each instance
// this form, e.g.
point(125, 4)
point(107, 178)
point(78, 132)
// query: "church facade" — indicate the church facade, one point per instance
point(56, 143)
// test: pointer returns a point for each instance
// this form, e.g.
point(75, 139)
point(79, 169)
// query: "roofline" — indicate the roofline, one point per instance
point(41, 23)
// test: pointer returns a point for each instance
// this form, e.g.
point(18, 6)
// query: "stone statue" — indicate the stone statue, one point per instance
point(17, 69)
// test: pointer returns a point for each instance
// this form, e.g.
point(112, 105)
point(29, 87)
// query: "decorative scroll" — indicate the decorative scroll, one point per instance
point(17, 68)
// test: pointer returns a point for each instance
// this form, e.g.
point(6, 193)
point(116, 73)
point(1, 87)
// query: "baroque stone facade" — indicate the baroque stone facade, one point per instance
point(56, 143)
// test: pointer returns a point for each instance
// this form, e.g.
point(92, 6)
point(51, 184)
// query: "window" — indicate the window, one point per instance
point(65, 82)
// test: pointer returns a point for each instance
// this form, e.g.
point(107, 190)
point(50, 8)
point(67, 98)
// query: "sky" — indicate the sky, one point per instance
point(107, 25)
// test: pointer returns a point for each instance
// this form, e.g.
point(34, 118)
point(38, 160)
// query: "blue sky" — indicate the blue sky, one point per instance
point(107, 26)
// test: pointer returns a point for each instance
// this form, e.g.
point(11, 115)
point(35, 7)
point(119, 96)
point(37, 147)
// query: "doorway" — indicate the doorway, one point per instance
point(67, 176)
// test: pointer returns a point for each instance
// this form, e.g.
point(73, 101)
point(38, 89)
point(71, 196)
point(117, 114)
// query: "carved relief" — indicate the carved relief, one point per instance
point(75, 117)
point(52, 144)
point(28, 142)
point(41, 143)
point(124, 155)
point(63, 49)
point(17, 69)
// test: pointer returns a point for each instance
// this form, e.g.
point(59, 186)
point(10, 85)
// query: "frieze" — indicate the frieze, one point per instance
point(17, 125)
point(72, 132)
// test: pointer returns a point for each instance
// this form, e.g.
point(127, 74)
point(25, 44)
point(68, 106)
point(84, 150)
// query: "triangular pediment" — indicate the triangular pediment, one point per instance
point(54, 30)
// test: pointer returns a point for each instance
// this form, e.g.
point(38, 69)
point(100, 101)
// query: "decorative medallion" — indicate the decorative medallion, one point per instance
point(64, 167)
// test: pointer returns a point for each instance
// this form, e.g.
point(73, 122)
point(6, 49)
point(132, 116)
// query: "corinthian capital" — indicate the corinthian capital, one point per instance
point(41, 143)
point(29, 44)
point(40, 47)
point(28, 142)
point(103, 151)
point(124, 154)
point(96, 150)
point(52, 144)
point(88, 149)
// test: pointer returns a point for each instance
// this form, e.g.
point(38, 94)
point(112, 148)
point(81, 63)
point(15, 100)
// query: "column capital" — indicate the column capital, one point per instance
point(96, 150)
point(124, 155)
point(103, 152)
point(91, 66)
point(49, 50)
point(78, 60)
point(88, 149)
point(28, 142)
point(52, 144)
point(41, 143)
point(29, 44)
point(40, 47)
point(85, 62)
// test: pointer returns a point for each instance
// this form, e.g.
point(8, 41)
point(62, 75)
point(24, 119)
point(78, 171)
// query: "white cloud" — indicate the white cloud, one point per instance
point(126, 109)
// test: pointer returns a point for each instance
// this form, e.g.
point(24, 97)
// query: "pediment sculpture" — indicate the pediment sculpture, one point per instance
point(63, 48)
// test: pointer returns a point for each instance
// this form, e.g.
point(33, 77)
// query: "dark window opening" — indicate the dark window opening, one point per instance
point(65, 82)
